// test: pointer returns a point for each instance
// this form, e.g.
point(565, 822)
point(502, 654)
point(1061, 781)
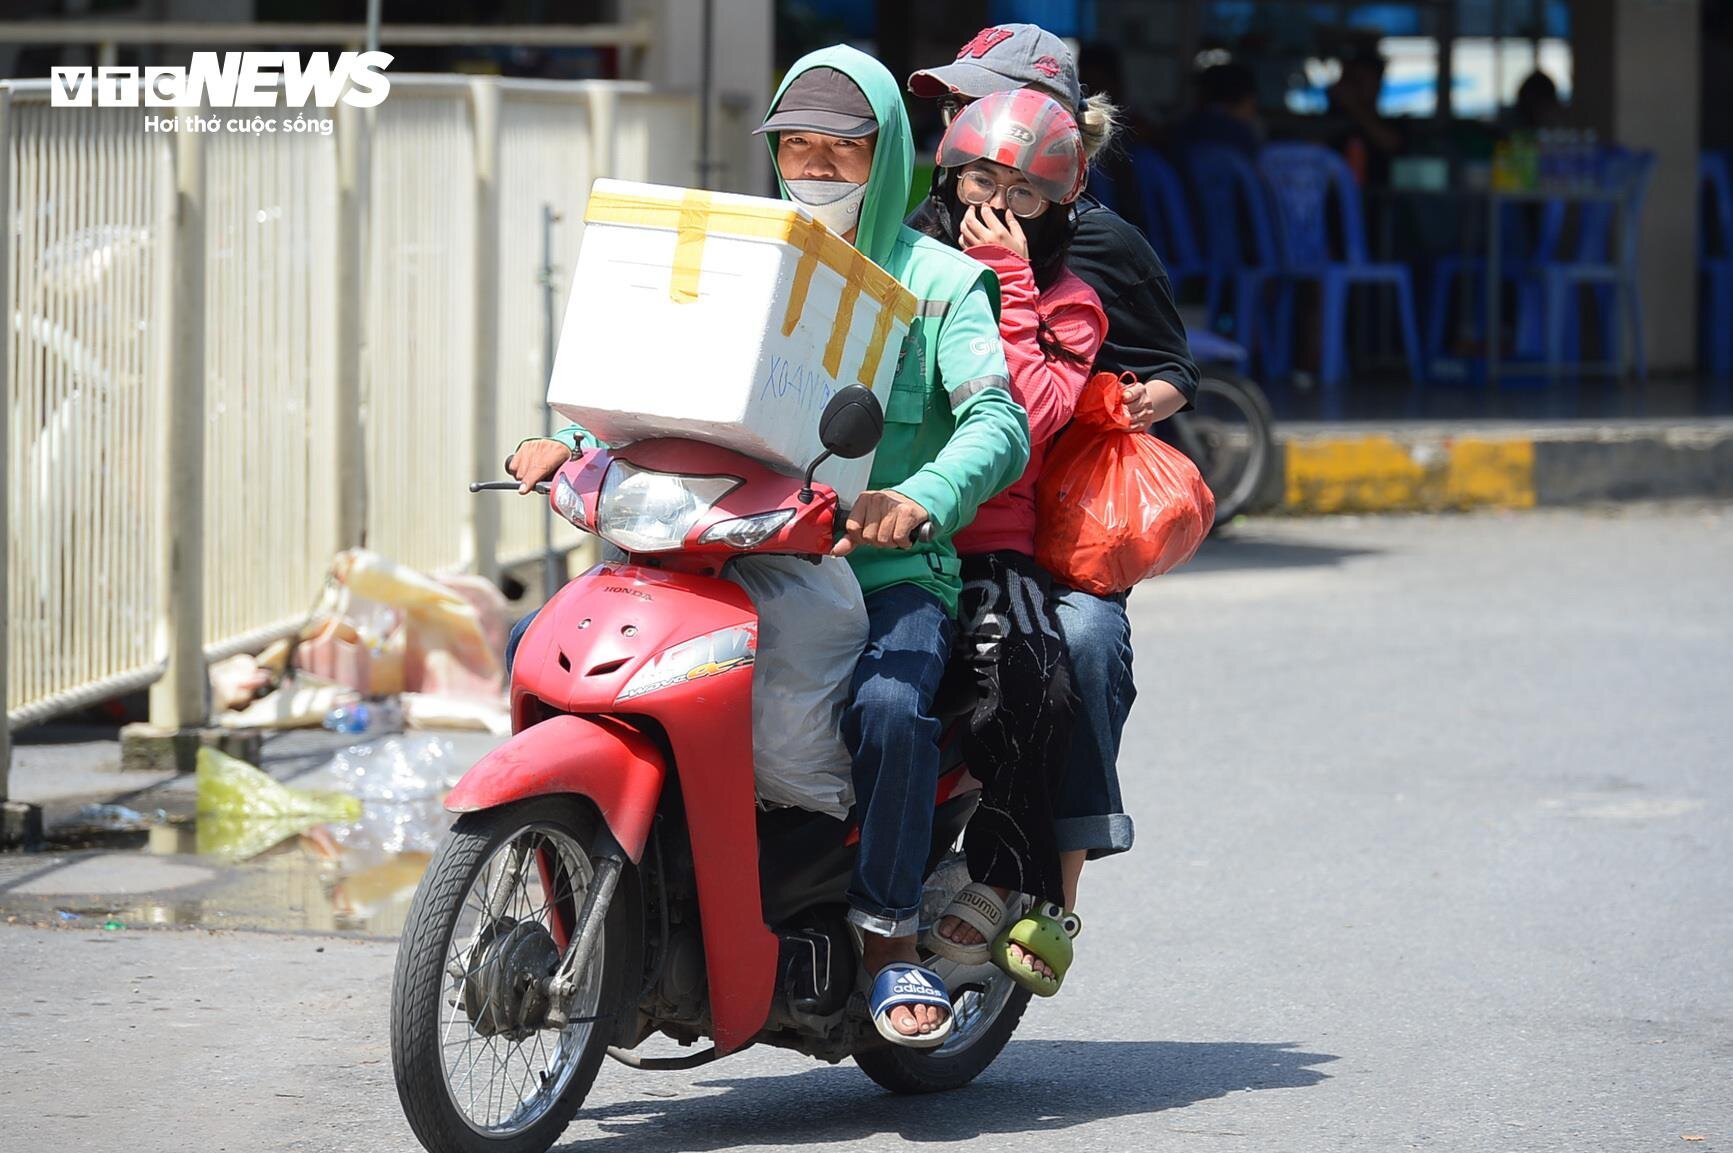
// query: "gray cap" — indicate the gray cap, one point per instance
point(1001, 58)
point(822, 100)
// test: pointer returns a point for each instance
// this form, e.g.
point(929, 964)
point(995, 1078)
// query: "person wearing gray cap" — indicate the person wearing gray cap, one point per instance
point(1146, 338)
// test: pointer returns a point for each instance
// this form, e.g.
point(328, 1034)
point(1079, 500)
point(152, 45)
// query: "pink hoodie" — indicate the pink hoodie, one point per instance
point(1047, 387)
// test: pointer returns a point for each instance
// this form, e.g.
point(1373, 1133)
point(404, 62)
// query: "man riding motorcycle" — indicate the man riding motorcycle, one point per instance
point(953, 438)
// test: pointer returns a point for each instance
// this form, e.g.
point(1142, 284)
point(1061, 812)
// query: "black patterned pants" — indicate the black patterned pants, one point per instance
point(1020, 733)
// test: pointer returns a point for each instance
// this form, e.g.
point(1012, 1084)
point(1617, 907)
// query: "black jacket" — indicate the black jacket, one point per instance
point(1145, 336)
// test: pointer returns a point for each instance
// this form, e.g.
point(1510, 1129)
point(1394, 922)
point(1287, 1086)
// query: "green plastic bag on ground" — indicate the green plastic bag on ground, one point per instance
point(243, 811)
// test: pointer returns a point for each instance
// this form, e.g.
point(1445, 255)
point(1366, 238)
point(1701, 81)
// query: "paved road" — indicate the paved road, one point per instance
point(1435, 821)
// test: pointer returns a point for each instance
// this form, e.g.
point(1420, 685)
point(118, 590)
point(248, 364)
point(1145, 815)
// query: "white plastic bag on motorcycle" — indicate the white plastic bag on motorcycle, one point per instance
point(812, 626)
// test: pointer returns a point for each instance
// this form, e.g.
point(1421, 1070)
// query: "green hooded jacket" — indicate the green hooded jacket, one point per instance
point(954, 437)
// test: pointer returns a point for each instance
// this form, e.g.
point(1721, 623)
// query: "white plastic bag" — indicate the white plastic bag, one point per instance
point(812, 626)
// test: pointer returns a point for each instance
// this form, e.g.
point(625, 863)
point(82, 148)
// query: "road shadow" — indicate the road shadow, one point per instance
point(1229, 550)
point(1034, 1086)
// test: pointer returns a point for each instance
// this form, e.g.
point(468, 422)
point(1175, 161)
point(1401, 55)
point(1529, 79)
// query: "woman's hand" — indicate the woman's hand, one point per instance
point(1147, 402)
point(536, 461)
point(983, 226)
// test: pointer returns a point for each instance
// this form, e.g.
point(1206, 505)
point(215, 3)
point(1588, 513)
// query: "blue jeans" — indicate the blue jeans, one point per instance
point(1097, 632)
point(511, 643)
point(893, 736)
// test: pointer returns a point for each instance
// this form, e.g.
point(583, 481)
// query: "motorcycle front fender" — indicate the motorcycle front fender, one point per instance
point(606, 761)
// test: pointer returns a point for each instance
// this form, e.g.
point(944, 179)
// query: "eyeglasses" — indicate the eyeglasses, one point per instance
point(976, 187)
point(949, 106)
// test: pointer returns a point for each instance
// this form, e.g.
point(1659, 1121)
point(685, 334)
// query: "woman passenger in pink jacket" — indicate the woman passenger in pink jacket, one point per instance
point(1009, 167)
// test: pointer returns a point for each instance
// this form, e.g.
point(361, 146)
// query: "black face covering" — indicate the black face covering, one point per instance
point(1049, 234)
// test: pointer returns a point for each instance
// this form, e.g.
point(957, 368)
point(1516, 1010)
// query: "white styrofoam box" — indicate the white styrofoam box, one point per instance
point(723, 318)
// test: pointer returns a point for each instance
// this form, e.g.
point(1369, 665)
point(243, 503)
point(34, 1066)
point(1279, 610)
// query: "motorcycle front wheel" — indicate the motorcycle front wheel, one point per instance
point(478, 1067)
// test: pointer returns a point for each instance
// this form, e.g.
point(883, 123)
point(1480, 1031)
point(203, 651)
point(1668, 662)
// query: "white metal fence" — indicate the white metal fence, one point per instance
point(88, 193)
point(370, 339)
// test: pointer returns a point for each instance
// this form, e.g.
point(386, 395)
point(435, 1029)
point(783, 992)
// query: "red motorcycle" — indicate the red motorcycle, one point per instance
point(611, 875)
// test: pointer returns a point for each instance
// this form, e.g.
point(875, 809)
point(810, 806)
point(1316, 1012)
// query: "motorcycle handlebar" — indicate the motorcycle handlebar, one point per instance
point(923, 533)
point(504, 486)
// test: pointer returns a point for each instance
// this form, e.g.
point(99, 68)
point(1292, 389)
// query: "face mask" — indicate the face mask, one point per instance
point(834, 203)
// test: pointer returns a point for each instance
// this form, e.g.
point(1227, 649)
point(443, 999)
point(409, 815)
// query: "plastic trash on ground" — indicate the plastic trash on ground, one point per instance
point(385, 628)
point(437, 662)
point(427, 711)
point(106, 818)
point(293, 706)
point(384, 716)
point(410, 768)
point(812, 626)
point(235, 682)
point(370, 575)
point(401, 784)
point(243, 811)
point(354, 646)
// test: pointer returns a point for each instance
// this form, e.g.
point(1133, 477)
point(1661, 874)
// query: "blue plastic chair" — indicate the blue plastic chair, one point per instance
point(1209, 347)
point(1595, 264)
point(1239, 245)
point(1304, 179)
point(1168, 225)
point(1519, 254)
point(1715, 256)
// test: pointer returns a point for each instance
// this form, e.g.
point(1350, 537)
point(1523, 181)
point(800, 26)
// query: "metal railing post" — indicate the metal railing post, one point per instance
point(484, 515)
point(5, 436)
point(553, 561)
point(179, 699)
point(354, 163)
point(604, 106)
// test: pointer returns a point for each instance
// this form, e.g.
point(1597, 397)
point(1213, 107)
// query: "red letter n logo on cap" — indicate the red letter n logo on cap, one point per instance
point(984, 42)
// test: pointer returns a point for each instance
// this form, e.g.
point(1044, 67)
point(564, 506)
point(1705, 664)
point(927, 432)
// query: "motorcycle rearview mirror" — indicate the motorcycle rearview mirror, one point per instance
point(852, 425)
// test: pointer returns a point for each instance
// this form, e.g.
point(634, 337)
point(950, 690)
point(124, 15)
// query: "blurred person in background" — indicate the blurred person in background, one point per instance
point(1226, 114)
point(1537, 105)
point(1367, 140)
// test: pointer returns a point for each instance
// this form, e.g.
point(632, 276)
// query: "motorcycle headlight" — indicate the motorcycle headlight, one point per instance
point(568, 502)
point(748, 531)
point(644, 511)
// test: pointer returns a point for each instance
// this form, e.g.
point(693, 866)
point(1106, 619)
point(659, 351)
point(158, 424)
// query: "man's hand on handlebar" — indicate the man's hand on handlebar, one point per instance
point(882, 520)
point(536, 461)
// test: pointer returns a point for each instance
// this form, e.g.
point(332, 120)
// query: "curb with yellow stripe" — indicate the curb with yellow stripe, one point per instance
point(1383, 474)
point(1436, 469)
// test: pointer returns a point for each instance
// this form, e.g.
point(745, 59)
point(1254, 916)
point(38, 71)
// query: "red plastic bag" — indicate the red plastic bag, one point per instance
point(1116, 506)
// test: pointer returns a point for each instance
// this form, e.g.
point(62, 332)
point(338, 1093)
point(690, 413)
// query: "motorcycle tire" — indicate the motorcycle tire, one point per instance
point(910, 1071)
point(419, 989)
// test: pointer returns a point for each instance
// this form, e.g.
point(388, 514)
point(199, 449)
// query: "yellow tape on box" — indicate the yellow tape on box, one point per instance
point(699, 214)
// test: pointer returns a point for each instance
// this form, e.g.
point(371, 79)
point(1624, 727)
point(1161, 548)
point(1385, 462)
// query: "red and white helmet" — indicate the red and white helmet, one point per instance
point(1022, 129)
